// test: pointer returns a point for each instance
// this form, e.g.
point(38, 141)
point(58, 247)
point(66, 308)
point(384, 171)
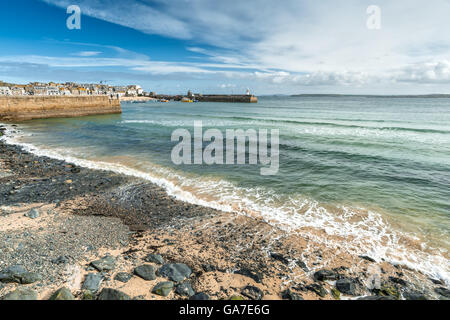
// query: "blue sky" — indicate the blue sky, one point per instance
point(301, 46)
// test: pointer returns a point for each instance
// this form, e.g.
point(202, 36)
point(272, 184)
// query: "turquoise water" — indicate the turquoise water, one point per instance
point(345, 162)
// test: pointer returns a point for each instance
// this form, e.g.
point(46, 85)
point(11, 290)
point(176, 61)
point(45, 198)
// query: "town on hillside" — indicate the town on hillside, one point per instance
point(71, 89)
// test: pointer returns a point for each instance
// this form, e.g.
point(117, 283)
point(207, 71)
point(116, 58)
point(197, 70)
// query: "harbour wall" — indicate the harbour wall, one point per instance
point(41, 107)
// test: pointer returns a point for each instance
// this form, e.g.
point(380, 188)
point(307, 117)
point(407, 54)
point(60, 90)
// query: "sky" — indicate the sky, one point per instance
point(213, 46)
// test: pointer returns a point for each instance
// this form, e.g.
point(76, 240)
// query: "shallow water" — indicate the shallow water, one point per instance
point(373, 170)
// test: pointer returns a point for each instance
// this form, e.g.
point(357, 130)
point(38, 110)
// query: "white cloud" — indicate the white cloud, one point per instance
point(426, 73)
point(88, 53)
point(131, 14)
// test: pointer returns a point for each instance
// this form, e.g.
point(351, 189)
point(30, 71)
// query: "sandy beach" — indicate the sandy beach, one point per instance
point(63, 226)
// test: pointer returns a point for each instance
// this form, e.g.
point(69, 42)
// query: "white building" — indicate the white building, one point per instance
point(53, 91)
point(135, 90)
point(18, 91)
point(40, 91)
point(5, 91)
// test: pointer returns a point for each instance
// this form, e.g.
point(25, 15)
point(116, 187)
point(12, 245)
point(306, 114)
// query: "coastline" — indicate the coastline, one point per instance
point(229, 254)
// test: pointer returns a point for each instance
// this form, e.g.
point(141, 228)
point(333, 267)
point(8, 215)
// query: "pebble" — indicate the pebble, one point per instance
point(92, 282)
point(62, 294)
point(346, 286)
point(154, 258)
point(21, 294)
point(323, 275)
point(33, 214)
point(112, 294)
point(123, 277)
point(185, 290)
point(106, 263)
point(163, 288)
point(146, 272)
point(200, 296)
point(176, 272)
point(253, 293)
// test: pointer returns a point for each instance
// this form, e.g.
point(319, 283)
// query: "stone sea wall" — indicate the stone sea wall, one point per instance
point(34, 107)
point(228, 98)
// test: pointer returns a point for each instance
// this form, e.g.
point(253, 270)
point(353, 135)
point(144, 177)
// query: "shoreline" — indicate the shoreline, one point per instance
point(226, 252)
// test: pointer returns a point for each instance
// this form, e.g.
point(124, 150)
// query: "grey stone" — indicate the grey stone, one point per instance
point(62, 294)
point(112, 294)
point(346, 286)
point(185, 290)
point(154, 258)
point(146, 272)
point(398, 281)
point(21, 294)
point(443, 292)
point(176, 272)
point(200, 296)
point(414, 295)
point(376, 298)
point(12, 274)
point(104, 264)
point(289, 295)
point(279, 257)
point(123, 277)
point(302, 265)
point(29, 277)
point(33, 214)
point(253, 293)
point(15, 270)
point(318, 289)
point(256, 276)
point(367, 258)
point(323, 275)
point(163, 288)
point(60, 260)
point(92, 282)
